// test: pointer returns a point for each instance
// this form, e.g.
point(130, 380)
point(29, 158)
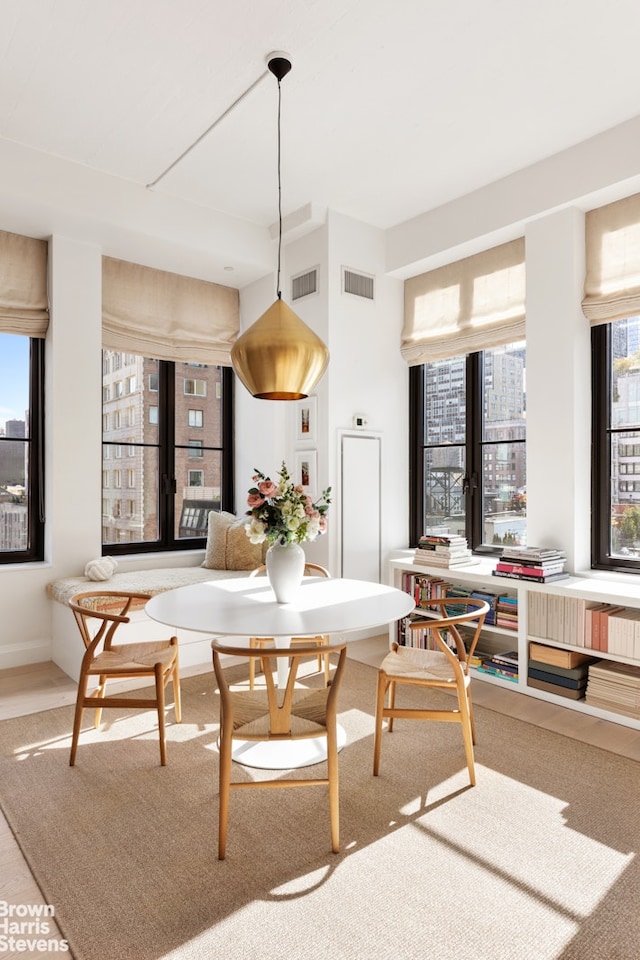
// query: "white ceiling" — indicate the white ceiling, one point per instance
point(393, 107)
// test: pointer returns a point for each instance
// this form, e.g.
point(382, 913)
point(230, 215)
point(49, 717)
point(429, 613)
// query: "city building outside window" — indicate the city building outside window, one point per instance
point(21, 454)
point(169, 503)
point(468, 447)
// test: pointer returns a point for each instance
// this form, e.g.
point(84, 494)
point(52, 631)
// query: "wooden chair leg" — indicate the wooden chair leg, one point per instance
point(392, 702)
point(100, 694)
point(382, 689)
point(224, 790)
point(473, 726)
point(467, 735)
point(77, 719)
point(327, 669)
point(177, 695)
point(332, 774)
point(160, 683)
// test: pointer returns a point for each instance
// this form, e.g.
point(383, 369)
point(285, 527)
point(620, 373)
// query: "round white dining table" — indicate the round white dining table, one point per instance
point(246, 607)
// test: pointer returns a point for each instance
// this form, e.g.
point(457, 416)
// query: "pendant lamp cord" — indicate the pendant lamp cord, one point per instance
point(278, 291)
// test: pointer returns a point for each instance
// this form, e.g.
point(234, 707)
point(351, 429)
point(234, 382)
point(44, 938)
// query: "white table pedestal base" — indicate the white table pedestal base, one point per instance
point(283, 754)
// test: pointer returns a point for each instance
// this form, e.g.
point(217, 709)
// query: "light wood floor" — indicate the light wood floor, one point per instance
point(38, 687)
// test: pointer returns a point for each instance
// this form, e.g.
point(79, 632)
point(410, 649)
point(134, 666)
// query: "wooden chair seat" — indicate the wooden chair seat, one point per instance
point(445, 666)
point(98, 614)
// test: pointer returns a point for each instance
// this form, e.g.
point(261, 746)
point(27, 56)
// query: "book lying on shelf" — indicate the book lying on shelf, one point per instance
point(545, 578)
point(445, 562)
point(442, 539)
point(532, 554)
point(510, 657)
point(493, 670)
point(575, 673)
point(557, 679)
point(554, 655)
point(556, 689)
point(541, 570)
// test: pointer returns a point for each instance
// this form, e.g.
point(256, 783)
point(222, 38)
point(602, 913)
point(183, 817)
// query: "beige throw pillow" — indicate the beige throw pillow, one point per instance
point(215, 557)
point(228, 546)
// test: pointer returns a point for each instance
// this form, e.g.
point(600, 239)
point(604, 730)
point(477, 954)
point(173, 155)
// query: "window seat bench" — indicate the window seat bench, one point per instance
point(195, 648)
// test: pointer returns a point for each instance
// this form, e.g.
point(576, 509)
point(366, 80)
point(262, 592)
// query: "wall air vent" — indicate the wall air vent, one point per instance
point(358, 284)
point(304, 284)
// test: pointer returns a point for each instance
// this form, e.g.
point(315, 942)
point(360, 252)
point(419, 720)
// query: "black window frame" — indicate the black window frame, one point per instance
point(167, 540)
point(34, 441)
point(601, 468)
point(475, 446)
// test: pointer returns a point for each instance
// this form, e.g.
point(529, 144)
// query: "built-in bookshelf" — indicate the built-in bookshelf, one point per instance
point(585, 629)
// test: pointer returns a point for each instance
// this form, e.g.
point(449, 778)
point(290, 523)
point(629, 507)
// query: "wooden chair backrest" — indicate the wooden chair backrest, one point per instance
point(475, 613)
point(310, 570)
point(110, 607)
point(279, 702)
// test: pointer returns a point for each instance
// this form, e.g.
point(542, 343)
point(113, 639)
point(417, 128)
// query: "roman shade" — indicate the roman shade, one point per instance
point(24, 304)
point(472, 304)
point(166, 316)
point(612, 281)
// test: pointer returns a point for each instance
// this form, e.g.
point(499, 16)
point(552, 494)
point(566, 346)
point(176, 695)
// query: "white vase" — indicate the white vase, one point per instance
point(285, 570)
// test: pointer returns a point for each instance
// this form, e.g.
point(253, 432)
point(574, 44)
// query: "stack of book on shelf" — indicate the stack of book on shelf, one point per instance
point(443, 550)
point(507, 612)
point(615, 687)
point(502, 665)
point(563, 672)
point(537, 564)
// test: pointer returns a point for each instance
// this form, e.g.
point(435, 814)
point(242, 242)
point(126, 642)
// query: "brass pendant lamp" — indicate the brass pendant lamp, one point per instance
point(279, 357)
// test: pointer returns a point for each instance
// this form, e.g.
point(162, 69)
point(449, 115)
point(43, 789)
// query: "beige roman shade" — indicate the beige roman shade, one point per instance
point(472, 304)
point(612, 282)
point(166, 316)
point(24, 305)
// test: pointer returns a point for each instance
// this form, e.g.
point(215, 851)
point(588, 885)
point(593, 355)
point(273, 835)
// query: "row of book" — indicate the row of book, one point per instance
point(443, 550)
point(503, 607)
point(604, 627)
point(536, 564)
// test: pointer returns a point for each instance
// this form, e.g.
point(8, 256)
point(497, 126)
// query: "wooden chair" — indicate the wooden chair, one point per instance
point(98, 615)
point(310, 570)
point(302, 713)
point(442, 668)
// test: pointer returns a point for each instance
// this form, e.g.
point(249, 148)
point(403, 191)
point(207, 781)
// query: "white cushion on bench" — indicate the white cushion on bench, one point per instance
point(139, 581)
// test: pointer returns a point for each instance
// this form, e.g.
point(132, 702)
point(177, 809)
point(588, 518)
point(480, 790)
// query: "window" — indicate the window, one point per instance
point(616, 445)
point(161, 512)
point(612, 305)
point(195, 388)
point(468, 449)
point(21, 454)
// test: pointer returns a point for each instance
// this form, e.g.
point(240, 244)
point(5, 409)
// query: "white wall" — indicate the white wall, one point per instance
point(366, 374)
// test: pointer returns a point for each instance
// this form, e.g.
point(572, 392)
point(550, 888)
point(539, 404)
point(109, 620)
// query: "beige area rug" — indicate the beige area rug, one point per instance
point(539, 861)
